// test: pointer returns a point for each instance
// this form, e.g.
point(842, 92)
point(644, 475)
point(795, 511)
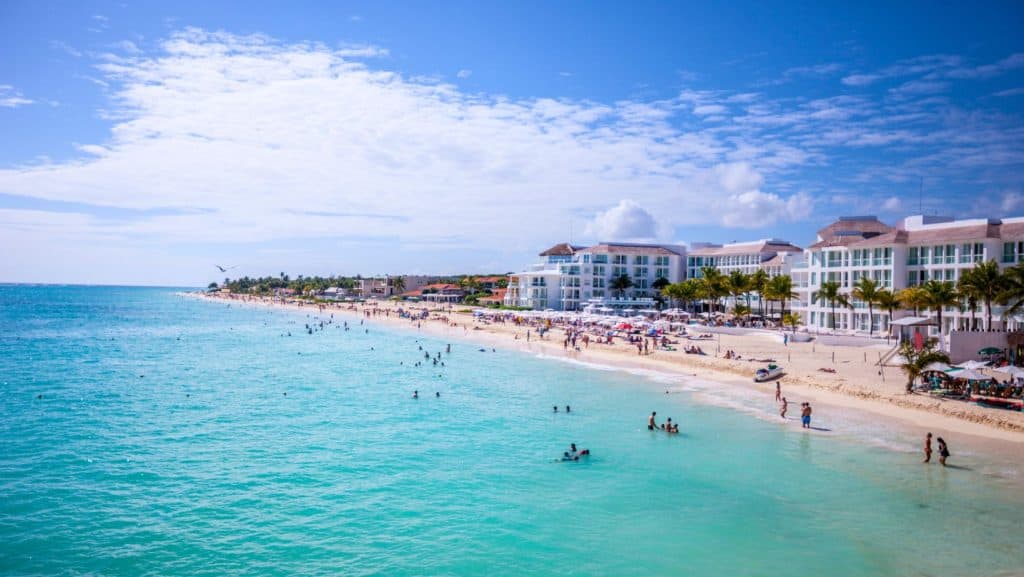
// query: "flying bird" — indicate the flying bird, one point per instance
point(222, 269)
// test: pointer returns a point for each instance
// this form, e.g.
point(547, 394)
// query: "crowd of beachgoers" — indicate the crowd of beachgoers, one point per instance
point(846, 375)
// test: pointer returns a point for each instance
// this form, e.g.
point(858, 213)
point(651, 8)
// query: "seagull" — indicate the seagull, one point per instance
point(222, 269)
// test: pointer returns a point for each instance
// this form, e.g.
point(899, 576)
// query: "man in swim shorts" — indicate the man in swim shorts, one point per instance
point(805, 415)
point(651, 425)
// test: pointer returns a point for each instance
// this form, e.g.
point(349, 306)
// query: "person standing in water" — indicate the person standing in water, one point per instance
point(943, 452)
point(785, 407)
point(928, 448)
point(805, 416)
point(651, 425)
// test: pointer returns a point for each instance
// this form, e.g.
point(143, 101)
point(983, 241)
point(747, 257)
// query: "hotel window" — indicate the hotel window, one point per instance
point(814, 278)
point(586, 258)
point(912, 258)
point(887, 278)
point(598, 283)
point(949, 274)
point(972, 252)
point(600, 259)
point(598, 294)
point(640, 283)
point(661, 261)
point(640, 259)
point(598, 270)
point(640, 271)
point(618, 271)
point(620, 259)
point(925, 252)
point(912, 278)
point(661, 273)
point(1013, 252)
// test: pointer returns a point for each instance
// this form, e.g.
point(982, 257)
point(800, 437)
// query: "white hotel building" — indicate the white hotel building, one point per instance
point(570, 278)
point(916, 250)
point(772, 255)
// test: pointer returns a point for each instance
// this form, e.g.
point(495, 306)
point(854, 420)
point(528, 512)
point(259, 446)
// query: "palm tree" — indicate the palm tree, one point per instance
point(888, 301)
point(688, 291)
point(915, 361)
point(965, 288)
point(398, 284)
point(1013, 290)
point(713, 285)
point(866, 290)
point(621, 283)
point(781, 289)
point(792, 320)
point(912, 297)
point(739, 284)
point(938, 295)
point(830, 292)
point(985, 282)
point(660, 284)
point(758, 281)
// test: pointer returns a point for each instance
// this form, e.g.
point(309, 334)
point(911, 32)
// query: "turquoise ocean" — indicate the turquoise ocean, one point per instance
point(147, 433)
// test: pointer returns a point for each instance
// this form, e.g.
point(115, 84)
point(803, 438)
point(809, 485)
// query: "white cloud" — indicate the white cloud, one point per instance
point(246, 129)
point(626, 221)
point(1011, 62)
point(920, 87)
point(860, 79)
point(744, 205)
point(709, 109)
point(892, 204)
point(1012, 201)
point(221, 139)
point(463, 73)
point(11, 98)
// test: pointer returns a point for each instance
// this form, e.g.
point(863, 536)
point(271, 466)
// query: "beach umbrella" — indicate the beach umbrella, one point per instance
point(971, 375)
point(1011, 370)
point(987, 351)
point(971, 365)
point(937, 366)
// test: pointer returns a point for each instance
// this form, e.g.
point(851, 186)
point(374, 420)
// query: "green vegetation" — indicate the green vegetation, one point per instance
point(915, 361)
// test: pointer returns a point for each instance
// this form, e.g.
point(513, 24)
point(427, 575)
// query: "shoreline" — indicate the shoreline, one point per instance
point(999, 435)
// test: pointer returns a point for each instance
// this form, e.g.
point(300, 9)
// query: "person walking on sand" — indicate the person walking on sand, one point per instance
point(805, 416)
point(651, 425)
point(785, 407)
point(943, 452)
point(928, 448)
point(778, 391)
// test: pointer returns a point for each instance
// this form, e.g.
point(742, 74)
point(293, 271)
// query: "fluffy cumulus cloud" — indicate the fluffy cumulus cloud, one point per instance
point(744, 205)
point(221, 139)
point(626, 221)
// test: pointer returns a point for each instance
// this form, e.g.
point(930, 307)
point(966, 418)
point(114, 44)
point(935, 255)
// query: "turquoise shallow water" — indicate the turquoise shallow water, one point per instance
point(164, 444)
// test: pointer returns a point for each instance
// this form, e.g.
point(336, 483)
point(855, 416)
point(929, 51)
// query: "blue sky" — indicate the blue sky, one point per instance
point(147, 142)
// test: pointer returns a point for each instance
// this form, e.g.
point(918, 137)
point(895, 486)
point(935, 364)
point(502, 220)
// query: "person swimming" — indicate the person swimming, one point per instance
point(415, 394)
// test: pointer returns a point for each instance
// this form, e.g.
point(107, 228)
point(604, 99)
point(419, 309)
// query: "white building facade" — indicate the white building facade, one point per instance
point(571, 278)
point(918, 249)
